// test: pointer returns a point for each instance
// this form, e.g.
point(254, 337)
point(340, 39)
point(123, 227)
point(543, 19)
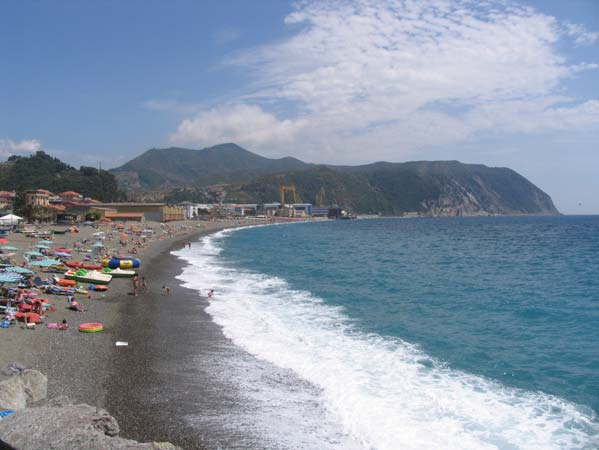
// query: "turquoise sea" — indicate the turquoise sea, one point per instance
point(423, 333)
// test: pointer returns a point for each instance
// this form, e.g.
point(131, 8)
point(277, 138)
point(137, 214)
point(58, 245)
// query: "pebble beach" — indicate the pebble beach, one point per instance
point(90, 367)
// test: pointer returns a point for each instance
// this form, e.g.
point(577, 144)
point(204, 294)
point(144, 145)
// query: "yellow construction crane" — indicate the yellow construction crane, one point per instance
point(288, 188)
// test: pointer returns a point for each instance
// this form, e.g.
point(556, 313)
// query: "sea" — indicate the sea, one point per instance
point(424, 333)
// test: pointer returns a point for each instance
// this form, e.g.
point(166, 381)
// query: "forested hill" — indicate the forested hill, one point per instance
point(42, 171)
point(168, 167)
point(434, 188)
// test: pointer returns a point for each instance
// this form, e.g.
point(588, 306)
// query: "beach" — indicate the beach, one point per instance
point(89, 367)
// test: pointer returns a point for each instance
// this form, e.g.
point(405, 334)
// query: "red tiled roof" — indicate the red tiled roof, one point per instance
point(70, 194)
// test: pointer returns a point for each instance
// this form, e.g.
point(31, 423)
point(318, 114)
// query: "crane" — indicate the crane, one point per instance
point(288, 188)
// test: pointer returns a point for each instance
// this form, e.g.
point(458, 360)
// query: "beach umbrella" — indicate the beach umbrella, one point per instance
point(42, 246)
point(10, 278)
point(45, 263)
point(45, 242)
point(98, 244)
point(124, 235)
point(3, 241)
point(99, 233)
point(17, 269)
point(33, 254)
point(8, 248)
point(62, 254)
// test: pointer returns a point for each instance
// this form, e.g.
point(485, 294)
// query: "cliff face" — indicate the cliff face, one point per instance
point(434, 188)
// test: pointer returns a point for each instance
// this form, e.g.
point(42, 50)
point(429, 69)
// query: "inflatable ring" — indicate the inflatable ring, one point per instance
point(91, 327)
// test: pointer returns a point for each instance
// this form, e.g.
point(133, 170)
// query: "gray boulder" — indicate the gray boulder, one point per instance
point(26, 387)
point(68, 427)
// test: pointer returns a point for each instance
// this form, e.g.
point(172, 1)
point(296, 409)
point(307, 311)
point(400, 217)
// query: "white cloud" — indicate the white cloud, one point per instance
point(394, 77)
point(9, 147)
point(580, 34)
point(243, 124)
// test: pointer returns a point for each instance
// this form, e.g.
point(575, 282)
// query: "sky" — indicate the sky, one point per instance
point(503, 83)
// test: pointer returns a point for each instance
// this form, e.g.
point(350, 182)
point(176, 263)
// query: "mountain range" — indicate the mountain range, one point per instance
point(436, 188)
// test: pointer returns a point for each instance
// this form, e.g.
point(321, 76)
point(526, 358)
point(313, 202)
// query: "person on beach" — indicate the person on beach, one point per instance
point(135, 284)
point(166, 290)
point(144, 286)
point(211, 293)
point(64, 325)
point(75, 306)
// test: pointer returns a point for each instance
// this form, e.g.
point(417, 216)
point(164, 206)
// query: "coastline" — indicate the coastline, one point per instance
point(89, 368)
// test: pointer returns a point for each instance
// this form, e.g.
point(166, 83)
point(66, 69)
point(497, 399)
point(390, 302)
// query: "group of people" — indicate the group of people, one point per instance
point(136, 286)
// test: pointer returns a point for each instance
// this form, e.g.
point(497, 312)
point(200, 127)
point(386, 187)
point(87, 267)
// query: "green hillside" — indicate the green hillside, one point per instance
point(439, 188)
point(41, 170)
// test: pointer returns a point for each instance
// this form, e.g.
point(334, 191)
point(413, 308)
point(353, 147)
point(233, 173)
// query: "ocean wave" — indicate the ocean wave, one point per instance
point(386, 393)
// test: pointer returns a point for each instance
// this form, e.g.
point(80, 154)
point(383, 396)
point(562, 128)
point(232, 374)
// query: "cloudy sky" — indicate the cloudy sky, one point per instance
point(502, 83)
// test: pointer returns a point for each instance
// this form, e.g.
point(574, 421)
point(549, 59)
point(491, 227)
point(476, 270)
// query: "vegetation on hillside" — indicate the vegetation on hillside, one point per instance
point(42, 171)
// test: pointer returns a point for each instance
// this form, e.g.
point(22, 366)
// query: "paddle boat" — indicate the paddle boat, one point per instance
point(119, 273)
point(88, 276)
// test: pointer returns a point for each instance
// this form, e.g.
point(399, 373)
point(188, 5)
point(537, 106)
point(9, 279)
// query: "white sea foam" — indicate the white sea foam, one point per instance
point(385, 393)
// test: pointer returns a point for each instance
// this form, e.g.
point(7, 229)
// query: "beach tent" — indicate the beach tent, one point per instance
point(8, 248)
point(10, 219)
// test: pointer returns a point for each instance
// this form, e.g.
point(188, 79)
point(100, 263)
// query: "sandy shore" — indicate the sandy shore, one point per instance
point(89, 367)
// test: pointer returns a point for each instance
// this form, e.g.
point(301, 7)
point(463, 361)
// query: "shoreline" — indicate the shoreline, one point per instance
point(88, 368)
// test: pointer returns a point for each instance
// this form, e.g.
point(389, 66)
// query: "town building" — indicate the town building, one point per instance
point(160, 212)
point(38, 198)
point(7, 199)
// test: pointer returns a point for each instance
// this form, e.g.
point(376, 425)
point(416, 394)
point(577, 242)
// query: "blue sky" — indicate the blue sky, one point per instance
point(501, 83)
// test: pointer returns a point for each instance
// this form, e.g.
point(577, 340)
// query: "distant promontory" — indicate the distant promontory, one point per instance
point(230, 173)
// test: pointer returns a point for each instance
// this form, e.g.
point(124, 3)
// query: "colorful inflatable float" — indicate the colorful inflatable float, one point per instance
point(91, 327)
point(121, 263)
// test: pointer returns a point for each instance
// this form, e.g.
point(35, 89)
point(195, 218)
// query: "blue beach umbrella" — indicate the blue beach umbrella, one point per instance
point(8, 248)
point(33, 254)
point(43, 246)
point(45, 263)
point(17, 269)
point(98, 244)
point(45, 242)
point(10, 278)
